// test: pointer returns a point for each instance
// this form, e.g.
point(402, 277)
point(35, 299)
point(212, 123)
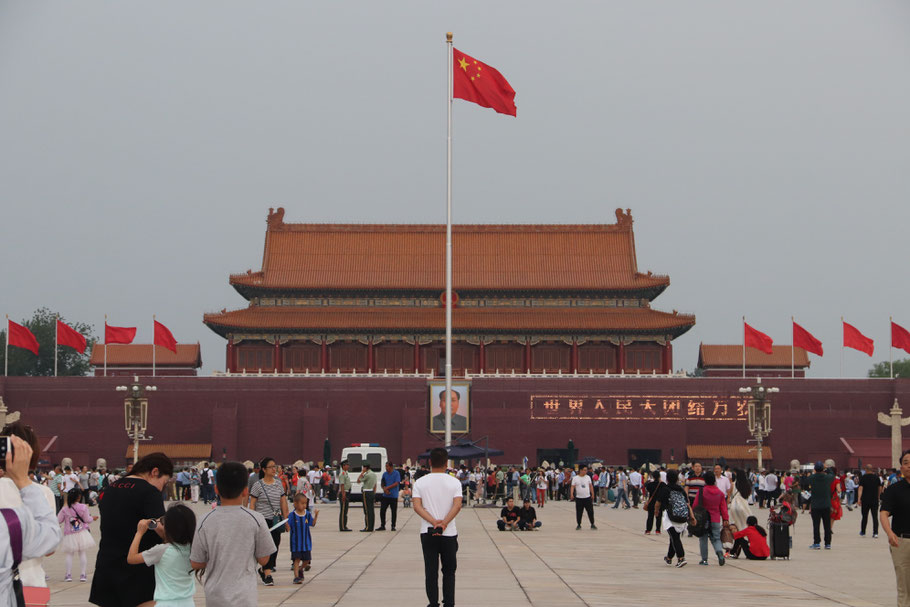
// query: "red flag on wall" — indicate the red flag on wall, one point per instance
point(481, 84)
point(756, 339)
point(119, 335)
point(164, 338)
point(21, 337)
point(805, 340)
point(856, 340)
point(900, 337)
point(67, 336)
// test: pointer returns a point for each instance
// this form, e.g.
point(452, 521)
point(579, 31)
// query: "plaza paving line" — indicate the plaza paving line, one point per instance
point(531, 582)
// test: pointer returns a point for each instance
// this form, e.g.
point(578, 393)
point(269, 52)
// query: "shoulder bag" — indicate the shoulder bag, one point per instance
point(26, 596)
point(276, 512)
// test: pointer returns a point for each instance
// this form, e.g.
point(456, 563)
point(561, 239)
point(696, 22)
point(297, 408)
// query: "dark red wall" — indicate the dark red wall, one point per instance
point(289, 418)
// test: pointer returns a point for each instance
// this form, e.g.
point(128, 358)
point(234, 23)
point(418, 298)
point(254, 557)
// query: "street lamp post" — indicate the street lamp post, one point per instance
point(136, 412)
point(759, 413)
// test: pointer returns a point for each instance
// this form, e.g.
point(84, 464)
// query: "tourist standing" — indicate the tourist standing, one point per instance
point(772, 489)
point(677, 513)
point(896, 505)
point(367, 479)
point(635, 486)
point(77, 537)
point(820, 505)
point(582, 491)
point(542, 484)
point(437, 501)
point(391, 479)
point(268, 499)
point(127, 501)
point(229, 541)
point(714, 501)
point(622, 488)
point(344, 496)
point(870, 491)
point(739, 501)
point(653, 486)
point(722, 482)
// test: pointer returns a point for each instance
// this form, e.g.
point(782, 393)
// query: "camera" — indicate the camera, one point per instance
point(153, 524)
point(6, 447)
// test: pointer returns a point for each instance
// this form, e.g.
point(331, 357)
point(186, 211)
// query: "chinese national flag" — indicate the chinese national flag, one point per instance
point(21, 337)
point(481, 84)
point(856, 340)
point(805, 340)
point(67, 336)
point(119, 335)
point(164, 338)
point(756, 339)
point(900, 337)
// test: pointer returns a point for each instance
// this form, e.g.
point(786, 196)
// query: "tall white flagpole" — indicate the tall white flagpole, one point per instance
point(792, 347)
point(105, 345)
point(448, 397)
point(891, 349)
point(56, 330)
point(154, 347)
point(744, 347)
point(6, 349)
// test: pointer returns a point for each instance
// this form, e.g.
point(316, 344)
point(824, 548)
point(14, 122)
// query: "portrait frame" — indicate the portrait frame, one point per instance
point(460, 387)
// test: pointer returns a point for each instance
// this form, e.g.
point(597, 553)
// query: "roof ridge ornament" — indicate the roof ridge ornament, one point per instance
point(275, 220)
point(624, 219)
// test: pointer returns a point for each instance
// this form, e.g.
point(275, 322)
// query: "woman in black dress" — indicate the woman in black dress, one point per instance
point(122, 505)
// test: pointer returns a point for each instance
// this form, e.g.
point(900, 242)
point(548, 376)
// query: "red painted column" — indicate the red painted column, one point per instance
point(574, 362)
point(229, 362)
point(668, 357)
point(528, 356)
point(622, 356)
point(483, 357)
point(370, 355)
point(416, 355)
point(277, 360)
point(324, 356)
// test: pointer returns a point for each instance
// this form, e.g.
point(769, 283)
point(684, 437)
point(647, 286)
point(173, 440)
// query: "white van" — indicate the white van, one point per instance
point(357, 454)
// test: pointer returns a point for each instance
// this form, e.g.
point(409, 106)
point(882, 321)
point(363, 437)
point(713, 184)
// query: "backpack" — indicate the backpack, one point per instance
point(678, 508)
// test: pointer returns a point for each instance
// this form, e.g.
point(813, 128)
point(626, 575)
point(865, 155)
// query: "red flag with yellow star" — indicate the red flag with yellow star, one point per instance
point(481, 84)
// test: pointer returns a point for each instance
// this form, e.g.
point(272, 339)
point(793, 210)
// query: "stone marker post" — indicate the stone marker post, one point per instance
point(895, 420)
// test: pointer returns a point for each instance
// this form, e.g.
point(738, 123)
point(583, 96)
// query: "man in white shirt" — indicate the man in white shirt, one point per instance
point(771, 483)
point(70, 480)
point(437, 500)
point(722, 481)
point(762, 489)
point(635, 487)
point(582, 491)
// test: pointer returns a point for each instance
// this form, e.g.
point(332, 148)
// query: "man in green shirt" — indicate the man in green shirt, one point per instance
point(344, 496)
point(368, 488)
point(820, 505)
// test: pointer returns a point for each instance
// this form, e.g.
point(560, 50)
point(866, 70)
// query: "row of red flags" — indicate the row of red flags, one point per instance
point(21, 337)
point(853, 338)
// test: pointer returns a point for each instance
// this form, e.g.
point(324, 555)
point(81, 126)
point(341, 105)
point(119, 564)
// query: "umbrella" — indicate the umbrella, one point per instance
point(326, 452)
point(587, 461)
point(466, 450)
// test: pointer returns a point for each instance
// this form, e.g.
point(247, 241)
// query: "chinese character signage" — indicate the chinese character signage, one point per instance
point(707, 407)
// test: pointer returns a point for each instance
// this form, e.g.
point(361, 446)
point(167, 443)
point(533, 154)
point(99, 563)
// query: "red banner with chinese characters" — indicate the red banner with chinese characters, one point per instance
point(704, 407)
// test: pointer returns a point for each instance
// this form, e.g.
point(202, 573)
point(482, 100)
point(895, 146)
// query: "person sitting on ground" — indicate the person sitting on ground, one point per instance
point(751, 541)
point(227, 541)
point(508, 517)
point(527, 517)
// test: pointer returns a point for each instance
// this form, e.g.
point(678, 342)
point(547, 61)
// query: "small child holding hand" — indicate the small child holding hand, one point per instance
point(299, 523)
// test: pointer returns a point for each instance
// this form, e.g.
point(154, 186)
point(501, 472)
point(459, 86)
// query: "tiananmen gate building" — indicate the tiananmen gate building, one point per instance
point(527, 299)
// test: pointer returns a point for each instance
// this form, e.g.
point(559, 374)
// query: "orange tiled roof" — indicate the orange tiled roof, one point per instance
point(188, 355)
point(179, 451)
point(286, 318)
point(504, 257)
point(732, 356)
point(711, 452)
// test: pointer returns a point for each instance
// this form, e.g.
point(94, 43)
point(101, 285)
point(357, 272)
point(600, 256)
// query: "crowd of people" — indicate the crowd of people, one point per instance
point(150, 552)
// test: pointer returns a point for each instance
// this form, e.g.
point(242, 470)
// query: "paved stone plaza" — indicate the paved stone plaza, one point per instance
point(558, 566)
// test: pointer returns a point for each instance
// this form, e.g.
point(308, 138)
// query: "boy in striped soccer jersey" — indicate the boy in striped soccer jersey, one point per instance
point(299, 523)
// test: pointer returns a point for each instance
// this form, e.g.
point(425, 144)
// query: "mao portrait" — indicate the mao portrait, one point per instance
point(459, 401)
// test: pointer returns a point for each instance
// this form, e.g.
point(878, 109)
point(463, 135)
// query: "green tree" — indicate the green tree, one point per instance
point(43, 325)
point(883, 369)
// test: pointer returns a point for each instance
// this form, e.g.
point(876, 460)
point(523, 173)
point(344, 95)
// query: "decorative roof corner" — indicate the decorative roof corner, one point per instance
point(275, 220)
point(624, 219)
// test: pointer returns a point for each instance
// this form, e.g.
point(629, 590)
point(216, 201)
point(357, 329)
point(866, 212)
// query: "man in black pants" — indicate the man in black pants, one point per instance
point(582, 491)
point(870, 490)
point(437, 500)
point(820, 505)
point(391, 479)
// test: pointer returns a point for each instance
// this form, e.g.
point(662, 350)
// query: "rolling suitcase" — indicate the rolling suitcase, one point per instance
point(780, 541)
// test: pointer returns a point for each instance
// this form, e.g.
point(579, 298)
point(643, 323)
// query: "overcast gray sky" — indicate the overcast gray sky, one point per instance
point(762, 148)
